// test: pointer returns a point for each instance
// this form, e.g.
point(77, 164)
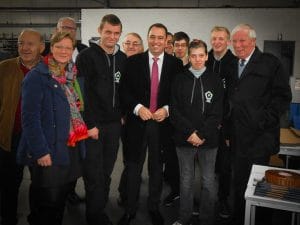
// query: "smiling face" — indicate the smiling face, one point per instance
point(67, 25)
point(242, 43)
point(132, 45)
point(30, 46)
point(180, 48)
point(110, 35)
point(169, 45)
point(157, 40)
point(198, 57)
point(62, 50)
point(219, 41)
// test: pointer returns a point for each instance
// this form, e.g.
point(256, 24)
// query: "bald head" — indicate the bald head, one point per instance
point(30, 46)
point(67, 24)
point(132, 44)
point(32, 32)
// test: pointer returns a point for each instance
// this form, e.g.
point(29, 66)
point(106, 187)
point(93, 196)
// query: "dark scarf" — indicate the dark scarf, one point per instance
point(66, 78)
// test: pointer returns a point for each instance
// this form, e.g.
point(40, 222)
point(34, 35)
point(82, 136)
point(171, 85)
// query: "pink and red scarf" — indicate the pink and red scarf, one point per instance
point(66, 78)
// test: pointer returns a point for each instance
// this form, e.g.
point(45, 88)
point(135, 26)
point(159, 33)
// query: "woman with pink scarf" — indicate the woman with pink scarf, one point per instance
point(53, 130)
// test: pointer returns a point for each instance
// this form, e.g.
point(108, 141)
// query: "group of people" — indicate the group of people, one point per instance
point(63, 114)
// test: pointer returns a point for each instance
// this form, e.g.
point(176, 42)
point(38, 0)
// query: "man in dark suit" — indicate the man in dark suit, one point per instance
point(145, 93)
point(258, 94)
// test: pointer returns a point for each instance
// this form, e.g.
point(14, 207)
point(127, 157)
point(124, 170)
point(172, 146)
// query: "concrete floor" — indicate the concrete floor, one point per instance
point(75, 214)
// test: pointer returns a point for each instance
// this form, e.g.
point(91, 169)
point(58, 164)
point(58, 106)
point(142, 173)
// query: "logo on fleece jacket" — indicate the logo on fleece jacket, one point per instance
point(117, 77)
point(208, 96)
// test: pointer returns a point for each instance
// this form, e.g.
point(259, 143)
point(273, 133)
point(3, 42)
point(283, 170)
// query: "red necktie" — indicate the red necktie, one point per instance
point(154, 86)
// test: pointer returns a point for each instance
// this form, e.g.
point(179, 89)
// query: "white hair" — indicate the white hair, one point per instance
point(60, 20)
point(244, 26)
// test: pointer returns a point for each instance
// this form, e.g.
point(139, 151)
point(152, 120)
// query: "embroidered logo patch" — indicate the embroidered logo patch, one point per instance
point(208, 96)
point(117, 77)
point(224, 83)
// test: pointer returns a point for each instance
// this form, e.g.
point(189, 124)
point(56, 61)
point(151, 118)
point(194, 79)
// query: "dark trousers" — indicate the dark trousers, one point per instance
point(123, 180)
point(241, 170)
point(100, 158)
point(134, 168)
point(223, 169)
point(47, 204)
point(11, 175)
point(171, 172)
point(49, 189)
point(123, 183)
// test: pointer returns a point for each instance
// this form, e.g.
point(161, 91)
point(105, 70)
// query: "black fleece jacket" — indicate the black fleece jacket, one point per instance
point(102, 73)
point(221, 67)
point(196, 105)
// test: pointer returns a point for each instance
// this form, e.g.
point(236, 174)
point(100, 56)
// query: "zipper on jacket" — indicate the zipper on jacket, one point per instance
point(219, 72)
point(114, 84)
point(193, 90)
point(202, 94)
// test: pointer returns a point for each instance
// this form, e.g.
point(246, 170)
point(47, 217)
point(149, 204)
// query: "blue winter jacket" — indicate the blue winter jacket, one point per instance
point(45, 119)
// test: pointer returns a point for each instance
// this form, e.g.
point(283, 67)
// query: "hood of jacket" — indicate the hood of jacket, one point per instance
point(95, 43)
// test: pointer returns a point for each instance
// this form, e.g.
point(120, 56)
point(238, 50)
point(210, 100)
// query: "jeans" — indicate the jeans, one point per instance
point(206, 159)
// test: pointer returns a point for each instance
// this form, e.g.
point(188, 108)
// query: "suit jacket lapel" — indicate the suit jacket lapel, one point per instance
point(251, 64)
point(146, 69)
point(163, 70)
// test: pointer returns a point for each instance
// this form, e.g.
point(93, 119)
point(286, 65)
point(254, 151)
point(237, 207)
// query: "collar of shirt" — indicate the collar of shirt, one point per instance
point(197, 73)
point(159, 62)
point(75, 53)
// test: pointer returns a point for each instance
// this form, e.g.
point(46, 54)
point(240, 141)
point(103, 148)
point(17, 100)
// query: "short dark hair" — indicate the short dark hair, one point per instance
point(159, 25)
point(178, 36)
point(196, 43)
point(169, 33)
point(111, 19)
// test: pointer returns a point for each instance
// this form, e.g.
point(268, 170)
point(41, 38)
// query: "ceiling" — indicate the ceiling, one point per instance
point(78, 4)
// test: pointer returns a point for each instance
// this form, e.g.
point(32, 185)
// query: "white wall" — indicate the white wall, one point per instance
point(198, 23)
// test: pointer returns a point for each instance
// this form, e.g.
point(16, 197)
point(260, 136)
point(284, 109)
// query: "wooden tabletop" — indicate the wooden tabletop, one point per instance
point(289, 136)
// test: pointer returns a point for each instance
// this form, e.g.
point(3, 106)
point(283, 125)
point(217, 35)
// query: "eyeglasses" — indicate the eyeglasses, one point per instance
point(60, 47)
point(68, 28)
point(183, 45)
point(134, 44)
